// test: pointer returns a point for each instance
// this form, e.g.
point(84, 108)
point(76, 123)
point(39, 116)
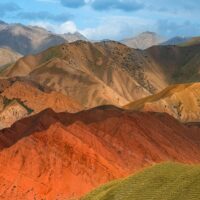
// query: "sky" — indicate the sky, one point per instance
point(107, 19)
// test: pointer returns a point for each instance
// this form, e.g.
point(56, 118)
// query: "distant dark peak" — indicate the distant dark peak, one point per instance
point(40, 28)
point(107, 42)
point(149, 33)
point(107, 107)
point(75, 33)
point(79, 42)
point(3, 23)
point(176, 40)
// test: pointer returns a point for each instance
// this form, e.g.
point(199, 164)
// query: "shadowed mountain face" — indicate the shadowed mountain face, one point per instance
point(31, 39)
point(180, 64)
point(176, 41)
point(57, 156)
point(165, 181)
point(143, 40)
point(93, 74)
point(180, 101)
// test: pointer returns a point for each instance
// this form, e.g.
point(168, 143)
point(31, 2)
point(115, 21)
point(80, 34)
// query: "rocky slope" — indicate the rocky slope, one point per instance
point(56, 156)
point(143, 40)
point(180, 101)
point(8, 56)
point(93, 74)
point(21, 98)
point(12, 111)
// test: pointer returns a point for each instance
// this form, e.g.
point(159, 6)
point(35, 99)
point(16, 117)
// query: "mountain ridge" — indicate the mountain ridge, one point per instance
point(143, 41)
point(32, 39)
point(180, 101)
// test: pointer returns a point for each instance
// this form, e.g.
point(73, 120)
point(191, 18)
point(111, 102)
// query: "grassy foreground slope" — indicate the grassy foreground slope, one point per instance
point(168, 181)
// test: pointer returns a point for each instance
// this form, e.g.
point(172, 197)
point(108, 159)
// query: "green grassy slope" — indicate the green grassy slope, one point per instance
point(169, 181)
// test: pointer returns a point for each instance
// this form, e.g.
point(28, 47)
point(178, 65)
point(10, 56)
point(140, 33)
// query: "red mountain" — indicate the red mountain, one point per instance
point(58, 156)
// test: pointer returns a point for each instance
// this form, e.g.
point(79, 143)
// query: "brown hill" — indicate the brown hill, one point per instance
point(180, 101)
point(20, 98)
point(108, 72)
point(56, 156)
point(93, 74)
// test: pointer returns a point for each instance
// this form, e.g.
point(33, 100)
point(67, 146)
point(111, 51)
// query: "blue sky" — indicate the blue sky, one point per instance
point(107, 19)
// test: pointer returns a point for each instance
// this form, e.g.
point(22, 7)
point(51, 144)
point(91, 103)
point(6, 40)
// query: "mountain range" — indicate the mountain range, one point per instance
point(27, 40)
point(32, 39)
point(98, 79)
point(176, 40)
point(94, 79)
point(122, 120)
point(143, 40)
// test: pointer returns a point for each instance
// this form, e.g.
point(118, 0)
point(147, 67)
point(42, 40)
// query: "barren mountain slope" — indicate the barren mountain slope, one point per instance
point(180, 101)
point(56, 156)
point(101, 71)
point(20, 98)
point(11, 111)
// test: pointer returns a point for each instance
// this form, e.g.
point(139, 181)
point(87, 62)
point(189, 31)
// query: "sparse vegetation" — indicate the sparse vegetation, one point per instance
point(53, 52)
point(7, 102)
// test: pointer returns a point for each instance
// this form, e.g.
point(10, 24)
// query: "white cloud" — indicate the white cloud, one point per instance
point(117, 27)
point(66, 27)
